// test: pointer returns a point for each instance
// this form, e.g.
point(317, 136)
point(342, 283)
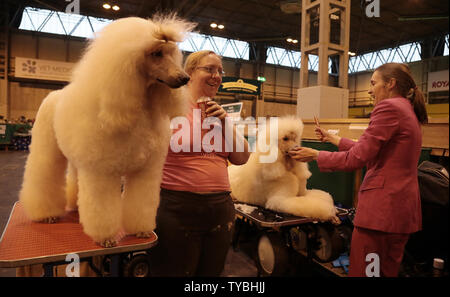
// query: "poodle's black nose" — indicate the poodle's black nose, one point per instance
point(178, 81)
point(184, 80)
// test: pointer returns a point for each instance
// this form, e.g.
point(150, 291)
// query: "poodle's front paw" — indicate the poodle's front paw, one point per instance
point(108, 243)
point(144, 234)
point(335, 220)
point(49, 220)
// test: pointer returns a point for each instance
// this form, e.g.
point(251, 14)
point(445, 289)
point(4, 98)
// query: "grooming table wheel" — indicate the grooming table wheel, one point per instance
point(298, 239)
point(331, 242)
point(138, 266)
point(273, 254)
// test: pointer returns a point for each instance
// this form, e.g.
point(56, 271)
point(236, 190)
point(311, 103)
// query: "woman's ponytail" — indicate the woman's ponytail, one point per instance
point(418, 102)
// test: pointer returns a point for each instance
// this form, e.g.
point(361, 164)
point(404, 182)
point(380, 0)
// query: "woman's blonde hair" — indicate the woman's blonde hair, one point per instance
point(193, 60)
point(405, 86)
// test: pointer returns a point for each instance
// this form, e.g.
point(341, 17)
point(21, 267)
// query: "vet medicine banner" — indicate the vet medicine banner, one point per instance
point(43, 69)
point(240, 85)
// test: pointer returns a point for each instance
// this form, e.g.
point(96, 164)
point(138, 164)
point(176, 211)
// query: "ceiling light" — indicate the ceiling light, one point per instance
point(291, 40)
point(334, 17)
point(106, 6)
point(213, 25)
point(116, 7)
point(351, 54)
point(221, 27)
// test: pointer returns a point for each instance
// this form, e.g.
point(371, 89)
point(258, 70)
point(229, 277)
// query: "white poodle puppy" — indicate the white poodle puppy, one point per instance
point(111, 121)
point(280, 185)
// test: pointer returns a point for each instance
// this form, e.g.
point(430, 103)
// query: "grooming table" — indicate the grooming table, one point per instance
point(268, 218)
point(25, 242)
point(300, 235)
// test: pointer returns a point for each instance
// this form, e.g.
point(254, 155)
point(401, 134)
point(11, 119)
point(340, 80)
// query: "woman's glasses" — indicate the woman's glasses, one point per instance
point(212, 70)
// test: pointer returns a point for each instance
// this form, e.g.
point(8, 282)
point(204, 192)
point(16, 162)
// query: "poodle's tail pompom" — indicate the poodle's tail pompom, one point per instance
point(171, 27)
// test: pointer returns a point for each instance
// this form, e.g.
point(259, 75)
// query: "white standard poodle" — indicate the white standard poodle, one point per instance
point(280, 185)
point(111, 123)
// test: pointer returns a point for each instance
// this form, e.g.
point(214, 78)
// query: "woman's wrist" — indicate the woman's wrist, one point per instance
point(335, 139)
point(316, 154)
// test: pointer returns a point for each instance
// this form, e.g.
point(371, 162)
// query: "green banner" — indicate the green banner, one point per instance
point(240, 86)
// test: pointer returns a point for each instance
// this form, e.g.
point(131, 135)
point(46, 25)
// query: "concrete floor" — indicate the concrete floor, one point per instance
point(12, 165)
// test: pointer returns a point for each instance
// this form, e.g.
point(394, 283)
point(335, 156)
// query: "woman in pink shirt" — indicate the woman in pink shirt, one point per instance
point(388, 209)
point(196, 214)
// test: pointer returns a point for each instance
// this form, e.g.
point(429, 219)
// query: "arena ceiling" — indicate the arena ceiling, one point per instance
point(270, 22)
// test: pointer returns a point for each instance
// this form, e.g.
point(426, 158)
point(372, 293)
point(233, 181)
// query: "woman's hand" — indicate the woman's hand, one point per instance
point(215, 110)
point(304, 154)
point(324, 136)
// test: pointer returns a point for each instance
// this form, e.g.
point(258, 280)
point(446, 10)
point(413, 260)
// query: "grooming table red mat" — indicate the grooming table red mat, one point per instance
point(25, 242)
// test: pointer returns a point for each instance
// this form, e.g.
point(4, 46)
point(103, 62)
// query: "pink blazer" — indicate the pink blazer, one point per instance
point(389, 197)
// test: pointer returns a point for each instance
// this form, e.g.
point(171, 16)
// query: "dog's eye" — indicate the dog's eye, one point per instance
point(285, 138)
point(157, 54)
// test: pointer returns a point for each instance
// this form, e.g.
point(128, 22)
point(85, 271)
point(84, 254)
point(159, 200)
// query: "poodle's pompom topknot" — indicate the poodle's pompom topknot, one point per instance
point(171, 27)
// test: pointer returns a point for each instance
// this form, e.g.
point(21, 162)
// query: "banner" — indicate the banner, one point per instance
point(233, 109)
point(43, 69)
point(438, 81)
point(240, 86)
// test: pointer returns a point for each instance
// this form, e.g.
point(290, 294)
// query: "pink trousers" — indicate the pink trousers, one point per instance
point(376, 253)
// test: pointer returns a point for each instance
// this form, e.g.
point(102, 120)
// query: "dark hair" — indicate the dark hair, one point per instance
point(405, 86)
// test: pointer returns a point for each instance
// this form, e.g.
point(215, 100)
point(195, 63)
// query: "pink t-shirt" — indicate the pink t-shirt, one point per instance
point(195, 171)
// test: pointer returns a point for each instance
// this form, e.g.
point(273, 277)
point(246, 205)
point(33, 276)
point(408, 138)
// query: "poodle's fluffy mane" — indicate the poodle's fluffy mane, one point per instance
point(136, 36)
point(118, 54)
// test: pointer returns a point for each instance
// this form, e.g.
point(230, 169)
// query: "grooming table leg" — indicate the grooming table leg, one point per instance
point(115, 265)
point(48, 270)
